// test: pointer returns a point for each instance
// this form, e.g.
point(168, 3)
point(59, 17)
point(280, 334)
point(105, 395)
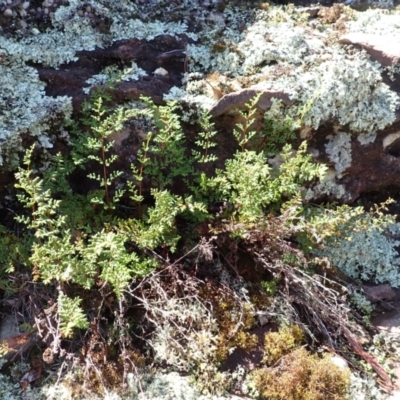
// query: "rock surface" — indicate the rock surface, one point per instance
point(384, 49)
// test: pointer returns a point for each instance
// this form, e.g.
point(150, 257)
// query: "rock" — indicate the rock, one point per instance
point(379, 293)
point(238, 99)
point(339, 361)
point(384, 49)
point(69, 79)
point(17, 346)
point(311, 11)
point(9, 327)
point(389, 322)
point(374, 166)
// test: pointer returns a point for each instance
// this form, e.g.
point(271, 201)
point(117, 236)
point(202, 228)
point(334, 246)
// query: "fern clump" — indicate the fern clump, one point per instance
point(179, 257)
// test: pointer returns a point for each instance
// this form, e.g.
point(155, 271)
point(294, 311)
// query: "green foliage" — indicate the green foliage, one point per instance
point(247, 184)
point(276, 134)
point(157, 227)
point(243, 132)
point(96, 144)
point(82, 245)
point(74, 242)
point(205, 140)
point(13, 252)
point(167, 146)
point(270, 287)
point(71, 315)
point(106, 251)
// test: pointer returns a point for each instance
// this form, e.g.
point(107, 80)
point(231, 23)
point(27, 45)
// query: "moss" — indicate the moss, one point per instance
point(278, 344)
point(302, 376)
point(234, 318)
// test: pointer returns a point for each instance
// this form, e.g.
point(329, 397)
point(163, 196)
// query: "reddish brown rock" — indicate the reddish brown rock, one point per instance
point(379, 293)
point(374, 167)
point(164, 51)
point(237, 100)
point(384, 49)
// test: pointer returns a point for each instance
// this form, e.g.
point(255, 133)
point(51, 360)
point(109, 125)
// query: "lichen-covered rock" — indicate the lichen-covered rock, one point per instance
point(384, 49)
point(25, 106)
point(294, 54)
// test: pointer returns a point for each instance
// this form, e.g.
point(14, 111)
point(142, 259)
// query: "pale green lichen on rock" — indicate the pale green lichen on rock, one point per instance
point(369, 255)
point(339, 151)
point(338, 82)
point(27, 109)
point(327, 187)
point(376, 22)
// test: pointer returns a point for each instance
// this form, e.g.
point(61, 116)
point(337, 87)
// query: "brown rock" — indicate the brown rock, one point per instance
point(384, 49)
point(16, 347)
point(379, 293)
point(237, 100)
point(389, 322)
point(374, 167)
point(162, 52)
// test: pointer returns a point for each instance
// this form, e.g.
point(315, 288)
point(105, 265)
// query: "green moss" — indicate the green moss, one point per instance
point(301, 376)
point(278, 344)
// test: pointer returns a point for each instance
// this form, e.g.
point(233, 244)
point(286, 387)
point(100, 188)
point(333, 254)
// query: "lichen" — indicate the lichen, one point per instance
point(376, 22)
point(338, 149)
point(366, 138)
point(327, 188)
point(368, 254)
point(24, 108)
point(333, 81)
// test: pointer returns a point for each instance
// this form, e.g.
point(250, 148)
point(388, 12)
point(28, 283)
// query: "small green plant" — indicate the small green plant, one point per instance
point(167, 147)
point(95, 145)
point(93, 261)
point(205, 141)
point(71, 315)
point(243, 132)
point(270, 287)
point(247, 184)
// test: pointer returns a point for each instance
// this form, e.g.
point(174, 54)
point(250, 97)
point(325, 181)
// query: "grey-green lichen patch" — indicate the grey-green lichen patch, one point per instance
point(366, 138)
point(368, 254)
point(377, 22)
point(338, 149)
point(72, 33)
point(363, 387)
point(332, 81)
point(145, 386)
point(195, 96)
point(348, 87)
point(24, 107)
point(327, 187)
